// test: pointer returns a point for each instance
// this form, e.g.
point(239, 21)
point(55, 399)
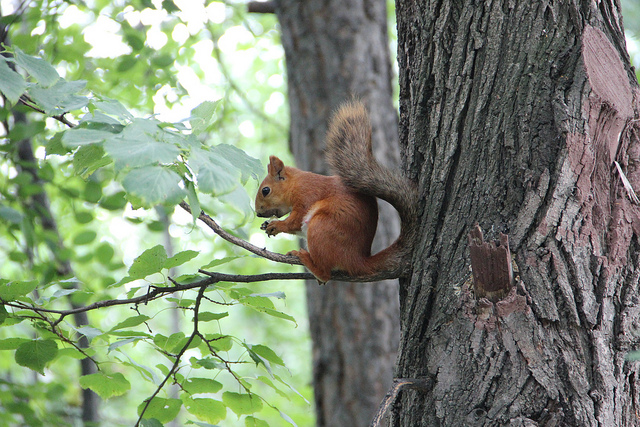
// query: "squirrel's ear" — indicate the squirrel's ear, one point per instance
point(275, 167)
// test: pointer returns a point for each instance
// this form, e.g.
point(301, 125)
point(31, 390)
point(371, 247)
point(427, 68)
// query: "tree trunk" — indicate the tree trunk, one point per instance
point(39, 203)
point(512, 115)
point(336, 50)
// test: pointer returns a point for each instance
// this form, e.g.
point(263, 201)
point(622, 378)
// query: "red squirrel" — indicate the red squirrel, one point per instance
point(339, 214)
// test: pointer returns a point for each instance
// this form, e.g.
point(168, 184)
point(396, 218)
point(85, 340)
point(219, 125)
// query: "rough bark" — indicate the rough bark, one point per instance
point(336, 50)
point(512, 114)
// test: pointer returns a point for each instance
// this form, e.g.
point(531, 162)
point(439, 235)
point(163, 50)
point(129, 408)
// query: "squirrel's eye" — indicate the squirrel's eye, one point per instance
point(265, 191)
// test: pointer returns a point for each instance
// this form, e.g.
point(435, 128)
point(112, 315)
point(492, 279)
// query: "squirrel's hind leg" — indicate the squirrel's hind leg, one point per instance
point(322, 273)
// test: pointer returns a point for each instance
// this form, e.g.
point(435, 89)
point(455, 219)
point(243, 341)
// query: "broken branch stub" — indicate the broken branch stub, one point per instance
point(491, 265)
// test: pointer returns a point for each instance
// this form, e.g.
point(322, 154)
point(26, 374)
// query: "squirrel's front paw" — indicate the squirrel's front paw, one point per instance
point(271, 227)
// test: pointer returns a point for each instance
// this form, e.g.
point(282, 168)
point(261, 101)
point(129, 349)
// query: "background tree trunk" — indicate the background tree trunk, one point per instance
point(336, 50)
point(512, 114)
point(39, 203)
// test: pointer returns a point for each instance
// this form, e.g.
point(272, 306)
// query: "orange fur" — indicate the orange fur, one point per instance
point(340, 223)
point(339, 213)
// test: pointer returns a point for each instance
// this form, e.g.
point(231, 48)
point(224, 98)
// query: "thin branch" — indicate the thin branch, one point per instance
point(287, 259)
point(156, 292)
point(399, 384)
point(261, 7)
point(184, 348)
point(25, 100)
point(256, 277)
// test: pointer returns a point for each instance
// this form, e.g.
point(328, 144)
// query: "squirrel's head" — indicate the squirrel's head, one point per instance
point(273, 198)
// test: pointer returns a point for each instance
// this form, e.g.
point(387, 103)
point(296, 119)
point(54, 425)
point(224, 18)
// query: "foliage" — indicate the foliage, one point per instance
point(94, 199)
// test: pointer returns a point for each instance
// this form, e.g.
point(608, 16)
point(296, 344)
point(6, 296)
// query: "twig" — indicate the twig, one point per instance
point(422, 384)
point(60, 117)
point(184, 348)
point(287, 259)
point(261, 7)
point(156, 292)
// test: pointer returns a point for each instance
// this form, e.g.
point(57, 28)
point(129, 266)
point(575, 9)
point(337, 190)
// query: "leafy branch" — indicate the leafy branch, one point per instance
point(178, 357)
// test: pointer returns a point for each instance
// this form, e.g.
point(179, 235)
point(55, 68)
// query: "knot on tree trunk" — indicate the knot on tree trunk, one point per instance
point(491, 265)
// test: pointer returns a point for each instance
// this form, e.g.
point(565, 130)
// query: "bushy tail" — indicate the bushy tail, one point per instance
point(350, 156)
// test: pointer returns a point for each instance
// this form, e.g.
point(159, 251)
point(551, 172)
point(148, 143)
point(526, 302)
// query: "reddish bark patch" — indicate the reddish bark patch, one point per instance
point(607, 75)
point(512, 303)
point(605, 214)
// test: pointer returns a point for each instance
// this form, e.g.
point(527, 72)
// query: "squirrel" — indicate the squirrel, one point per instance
point(339, 214)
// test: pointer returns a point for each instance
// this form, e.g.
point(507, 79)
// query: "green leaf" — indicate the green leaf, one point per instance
point(207, 316)
point(104, 253)
point(276, 313)
point(89, 332)
point(242, 403)
point(77, 136)
point(180, 258)
point(201, 385)
point(83, 217)
point(220, 342)
point(11, 290)
point(3, 314)
point(240, 201)
point(194, 203)
point(215, 175)
point(40, 69)
point(88, 159)
point(36, 354)
point(84, 237)
point(98, 117)
point(279, 295)
point(12, 84)
point(248, 165)
point(209, 410)
point(173, 343)
point(54, 145)
point(12, 343)
point(149, 262)
point(141, 144)
point(131, 322)
point(265, 353)
point(11, 215)
point(151, 422)
point(113, 107)
point(164, 410)
point(203, 116)
point(254, 422)
point(60, 97)
point(207, 363)
point(217, 262)
point(287, 418)
point(114, 202)
point(154, 185)
point(104, 385)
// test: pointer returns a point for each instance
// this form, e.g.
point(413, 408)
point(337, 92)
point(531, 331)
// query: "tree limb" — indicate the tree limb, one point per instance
point(287, 259)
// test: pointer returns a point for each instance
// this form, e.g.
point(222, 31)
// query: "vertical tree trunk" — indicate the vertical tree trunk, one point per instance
point(39, 203)
point(336, 50)
point(512, 114)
